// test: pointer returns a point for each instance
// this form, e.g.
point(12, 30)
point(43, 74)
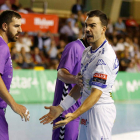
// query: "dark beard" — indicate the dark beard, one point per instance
point(11, 37)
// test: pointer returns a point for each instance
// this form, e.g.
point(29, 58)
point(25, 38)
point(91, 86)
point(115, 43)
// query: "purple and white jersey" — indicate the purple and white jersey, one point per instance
point(6, 69)
point(70, 60)
point(99, 69)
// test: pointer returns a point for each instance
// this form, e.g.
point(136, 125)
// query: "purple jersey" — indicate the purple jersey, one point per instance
point(6, 69)
point(70, 60)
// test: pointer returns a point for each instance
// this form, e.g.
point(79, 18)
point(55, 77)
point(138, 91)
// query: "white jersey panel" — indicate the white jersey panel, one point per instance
point(99, 69)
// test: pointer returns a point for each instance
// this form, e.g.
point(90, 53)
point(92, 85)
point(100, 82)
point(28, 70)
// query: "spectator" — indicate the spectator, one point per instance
point(120, 27)
point(131, 67)
point(27, 59)
point(124, 61)
point(136, 42)
point(131, 22)
point(72, 20)
point(67, 30)
point(81, 34)
point(110, 28)
point(77, 7)
point(27, 41)
point(47, 38)
point(82, 16)
point(76, 30)
point(128, 42)
point(6, 6)
point(22, 10)
point(19, 60)
point(60, 48)
point(115, 40)
point(80, 20)
point(135, 52)
point(38, 41)
point(14, 57)
point(120, 45)
point(39, 58)
point(53, 55)
point(53, 51)
point(19, 44)
point(15, 5)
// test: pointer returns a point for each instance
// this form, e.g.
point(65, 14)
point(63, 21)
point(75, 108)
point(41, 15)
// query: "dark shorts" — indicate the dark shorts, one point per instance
point(3, 126)
point(70, 132)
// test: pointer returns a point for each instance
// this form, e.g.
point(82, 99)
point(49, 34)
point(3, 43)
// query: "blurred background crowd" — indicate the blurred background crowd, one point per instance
point(44, 49)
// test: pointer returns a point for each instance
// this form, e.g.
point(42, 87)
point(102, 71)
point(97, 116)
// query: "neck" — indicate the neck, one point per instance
point(4, 37)
point(98, 43)
point(85, 42)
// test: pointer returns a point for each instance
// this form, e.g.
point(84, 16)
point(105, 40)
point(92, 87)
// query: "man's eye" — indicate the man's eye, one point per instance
point(91, 26)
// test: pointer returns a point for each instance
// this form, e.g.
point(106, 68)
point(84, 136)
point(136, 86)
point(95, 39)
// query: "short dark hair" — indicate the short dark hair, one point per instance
point(7, 15)
point(100, 14)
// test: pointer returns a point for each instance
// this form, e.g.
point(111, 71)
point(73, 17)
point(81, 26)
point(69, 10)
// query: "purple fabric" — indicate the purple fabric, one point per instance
point(71, 130)
point(3, 126)
point(70, 60)
point(6, 69)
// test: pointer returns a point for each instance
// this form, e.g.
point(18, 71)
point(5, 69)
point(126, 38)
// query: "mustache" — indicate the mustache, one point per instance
point(17, 34)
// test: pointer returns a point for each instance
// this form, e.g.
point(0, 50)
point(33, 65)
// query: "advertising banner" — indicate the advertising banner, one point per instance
point(127, 87)
point(34, 22)
point(30, 86)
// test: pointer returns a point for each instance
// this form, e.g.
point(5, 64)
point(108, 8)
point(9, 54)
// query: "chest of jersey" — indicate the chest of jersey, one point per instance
point(89, 62)
point(88, 66)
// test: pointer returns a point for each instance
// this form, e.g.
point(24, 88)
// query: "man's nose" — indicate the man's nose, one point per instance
point(20, 29)
point(87, 29)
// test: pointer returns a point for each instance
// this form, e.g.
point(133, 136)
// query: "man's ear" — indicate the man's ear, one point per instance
point(4, 27)
point(104, 29)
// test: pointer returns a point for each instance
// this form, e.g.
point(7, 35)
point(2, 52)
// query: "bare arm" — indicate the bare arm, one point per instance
point(87, 104)
point(55, 111)
point(65, 76)
point(19, 109)
point(75, 92)
point(4, 94)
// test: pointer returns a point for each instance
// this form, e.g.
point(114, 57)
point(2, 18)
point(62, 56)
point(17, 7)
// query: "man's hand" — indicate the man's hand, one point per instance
point(79, 80)
point(55, 111)
point(22, 111)
point(69, 117)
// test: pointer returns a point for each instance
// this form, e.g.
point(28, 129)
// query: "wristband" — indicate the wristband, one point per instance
point(67, 102)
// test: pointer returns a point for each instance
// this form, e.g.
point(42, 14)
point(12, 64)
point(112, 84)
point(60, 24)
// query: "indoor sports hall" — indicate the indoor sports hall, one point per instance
point(47, 27)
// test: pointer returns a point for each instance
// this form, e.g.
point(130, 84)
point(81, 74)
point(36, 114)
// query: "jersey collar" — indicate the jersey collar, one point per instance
point(93, 51)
